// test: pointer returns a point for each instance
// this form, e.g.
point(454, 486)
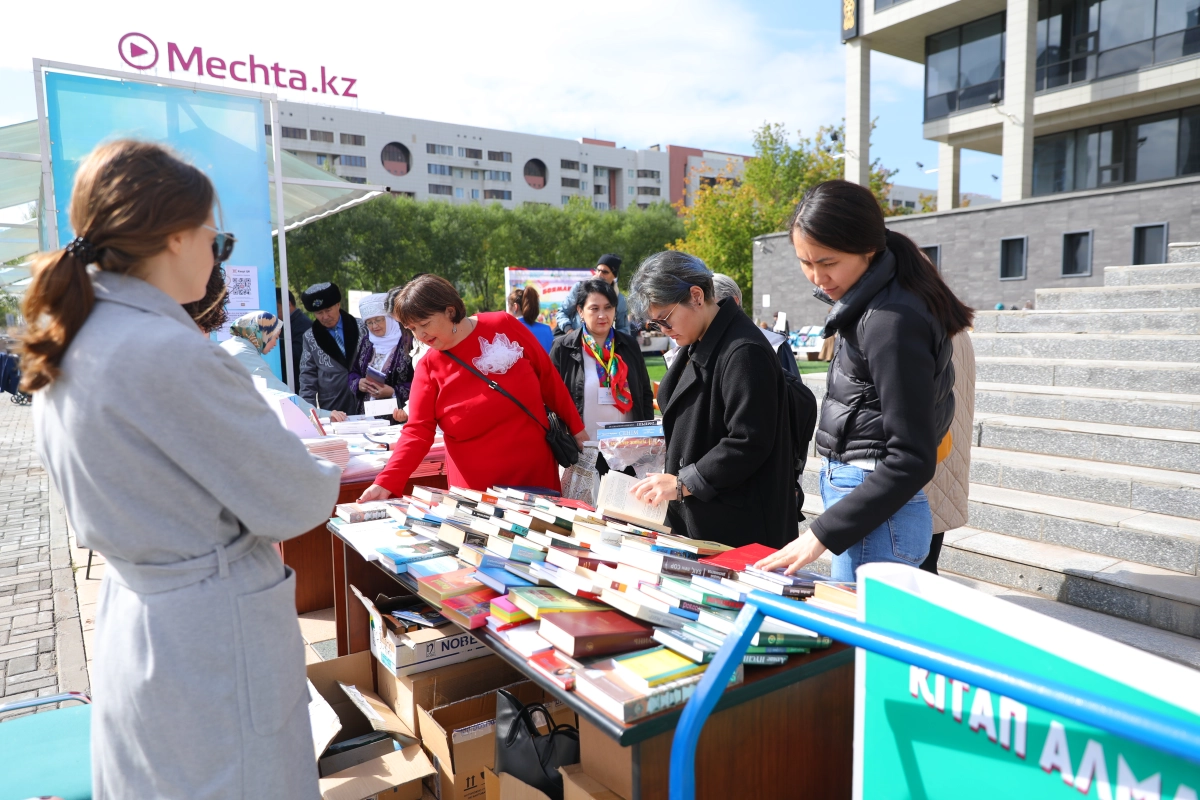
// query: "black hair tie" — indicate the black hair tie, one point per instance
point(83, 250)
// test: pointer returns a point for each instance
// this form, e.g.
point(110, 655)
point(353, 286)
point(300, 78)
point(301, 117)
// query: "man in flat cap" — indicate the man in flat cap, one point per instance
point(329, 348)
point(608, 267)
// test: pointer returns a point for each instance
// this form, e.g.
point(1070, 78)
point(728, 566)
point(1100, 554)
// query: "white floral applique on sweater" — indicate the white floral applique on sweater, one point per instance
point(497, 356)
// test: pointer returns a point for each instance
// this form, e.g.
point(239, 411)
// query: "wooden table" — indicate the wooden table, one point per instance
point(784, 732)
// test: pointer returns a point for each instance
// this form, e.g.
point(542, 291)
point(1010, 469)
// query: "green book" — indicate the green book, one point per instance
point(684, 590)
point(538, 600)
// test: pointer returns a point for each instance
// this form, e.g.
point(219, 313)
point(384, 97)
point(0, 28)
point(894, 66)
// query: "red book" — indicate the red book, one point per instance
point(469, 610)
point(567, 502)
point(595, 633)
point(437, 588)
point(737, 558)
point(551, 664)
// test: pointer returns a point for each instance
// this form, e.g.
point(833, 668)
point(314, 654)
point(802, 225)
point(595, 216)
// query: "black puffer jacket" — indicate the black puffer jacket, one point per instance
point(889, 396)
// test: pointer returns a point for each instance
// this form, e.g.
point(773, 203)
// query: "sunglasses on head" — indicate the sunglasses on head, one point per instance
point(222, 245)
point(659, 325)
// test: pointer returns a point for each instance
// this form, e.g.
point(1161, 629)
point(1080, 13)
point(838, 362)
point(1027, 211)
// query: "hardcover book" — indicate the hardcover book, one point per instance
point(594, 633)
point(437, 588)
point(469, 610)
point(537, 601)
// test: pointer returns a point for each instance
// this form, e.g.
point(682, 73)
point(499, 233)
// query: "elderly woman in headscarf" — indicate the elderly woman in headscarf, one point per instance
point(253, 336)
point(382, 368)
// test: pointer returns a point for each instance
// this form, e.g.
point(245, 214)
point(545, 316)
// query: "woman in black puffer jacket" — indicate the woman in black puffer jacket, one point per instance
point(889, 396)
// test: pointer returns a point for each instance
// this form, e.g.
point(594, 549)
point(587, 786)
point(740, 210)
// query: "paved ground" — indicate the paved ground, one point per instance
point(41, 643)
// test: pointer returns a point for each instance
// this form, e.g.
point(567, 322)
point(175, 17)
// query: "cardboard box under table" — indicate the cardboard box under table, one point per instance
point(377, 769)
point(785, 731)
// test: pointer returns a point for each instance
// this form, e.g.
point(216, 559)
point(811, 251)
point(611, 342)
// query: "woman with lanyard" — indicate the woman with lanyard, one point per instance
point(381, 369)
point(889, 400)
point(603, 369)
point(172, 466)
point(254, 335)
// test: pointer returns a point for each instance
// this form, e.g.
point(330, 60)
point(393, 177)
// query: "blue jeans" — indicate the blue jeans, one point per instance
point(903, 539)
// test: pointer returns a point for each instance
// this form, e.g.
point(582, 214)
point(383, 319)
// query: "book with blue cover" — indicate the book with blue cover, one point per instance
point(499, 580)
point(398, 558)
point(434, 566)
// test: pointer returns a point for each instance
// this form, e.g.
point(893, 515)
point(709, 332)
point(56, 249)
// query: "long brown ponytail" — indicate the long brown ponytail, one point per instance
point(128, 198)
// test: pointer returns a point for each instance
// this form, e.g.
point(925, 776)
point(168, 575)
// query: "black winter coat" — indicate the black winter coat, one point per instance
point(567, 355)
point(725, 416)
point(889, 396)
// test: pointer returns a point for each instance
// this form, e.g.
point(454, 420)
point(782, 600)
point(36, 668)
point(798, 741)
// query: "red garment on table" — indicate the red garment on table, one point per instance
point(489, 440)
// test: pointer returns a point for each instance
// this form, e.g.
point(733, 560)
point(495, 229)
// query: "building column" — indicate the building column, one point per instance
point(858, 111)
point(1020, 70)
point(949, 159)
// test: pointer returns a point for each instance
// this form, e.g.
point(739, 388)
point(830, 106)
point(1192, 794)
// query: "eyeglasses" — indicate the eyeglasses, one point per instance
point(222, 245)
point(659, 325)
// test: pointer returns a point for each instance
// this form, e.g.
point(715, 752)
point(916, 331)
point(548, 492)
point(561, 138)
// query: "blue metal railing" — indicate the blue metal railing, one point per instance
point(1147, 728)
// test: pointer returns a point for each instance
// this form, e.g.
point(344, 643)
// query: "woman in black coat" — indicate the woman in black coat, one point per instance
point(728, 474)
point(605, 388)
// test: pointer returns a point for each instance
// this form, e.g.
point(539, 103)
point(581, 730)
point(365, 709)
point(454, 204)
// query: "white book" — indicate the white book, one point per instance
point(616, 500)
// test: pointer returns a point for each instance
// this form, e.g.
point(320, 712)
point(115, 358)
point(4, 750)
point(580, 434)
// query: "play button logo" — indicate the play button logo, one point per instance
point(138, 51)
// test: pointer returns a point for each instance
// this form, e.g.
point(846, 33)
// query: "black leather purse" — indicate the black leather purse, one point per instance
point(562, 443)
point(525, 753)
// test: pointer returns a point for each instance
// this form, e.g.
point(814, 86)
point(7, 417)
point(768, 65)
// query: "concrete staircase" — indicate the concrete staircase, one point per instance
point(1085, 473)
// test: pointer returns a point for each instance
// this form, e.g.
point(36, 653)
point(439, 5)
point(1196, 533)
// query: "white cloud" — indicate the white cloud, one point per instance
point(701, 73)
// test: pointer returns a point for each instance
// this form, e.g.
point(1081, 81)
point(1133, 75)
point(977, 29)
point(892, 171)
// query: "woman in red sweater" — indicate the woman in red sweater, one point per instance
point(489, 440)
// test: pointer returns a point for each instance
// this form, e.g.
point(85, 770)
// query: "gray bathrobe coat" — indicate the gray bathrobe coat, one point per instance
point(173, 467)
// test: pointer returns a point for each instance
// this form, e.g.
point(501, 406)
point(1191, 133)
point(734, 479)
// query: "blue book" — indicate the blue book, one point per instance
point(671, 551)
point(683, 612)
point(399, 557)
point(499, 580)
point(434, 566)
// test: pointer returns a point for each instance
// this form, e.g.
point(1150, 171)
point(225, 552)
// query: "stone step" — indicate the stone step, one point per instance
point(1088, 346)
point(1123, 534)
point(1159, 448)
point(1179, 295)
point(1113, 406)
point(1158, 491)
point(1147, 595)
point(1152, 275)
point(1174, 377)
point(1181, 321)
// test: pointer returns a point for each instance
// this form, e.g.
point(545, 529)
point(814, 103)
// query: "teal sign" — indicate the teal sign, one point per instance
point(923, 736)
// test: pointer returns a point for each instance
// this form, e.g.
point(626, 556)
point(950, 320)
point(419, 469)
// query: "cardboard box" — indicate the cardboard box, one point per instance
point(578, 785)
point(428, 648)
point(461, 737)
point(515, 789)
point(437, 687)
point(396, 775)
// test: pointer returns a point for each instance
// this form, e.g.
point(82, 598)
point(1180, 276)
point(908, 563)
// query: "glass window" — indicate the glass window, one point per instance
point(934, 253)
point(1077, 254)
point(1123, 22)
point(354, 161)
point(1175, 15)
point(565, 164)
point(437, 188)
point(439, 149)
point(1111, 157)
point(1189, 142)
point(566, 198)
point(1054, 163)
point(1150, 244)
point(358, 140)
point(458, 192)
point(981, 61)
point(1125, 59)
point(1153, 147)
point(474, 194)
point(941, 74)
point(1012, 259)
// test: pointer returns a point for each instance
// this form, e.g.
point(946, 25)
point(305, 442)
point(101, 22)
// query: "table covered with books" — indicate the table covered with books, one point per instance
point(614, 619)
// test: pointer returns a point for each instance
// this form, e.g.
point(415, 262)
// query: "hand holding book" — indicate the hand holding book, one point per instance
point(658, 487)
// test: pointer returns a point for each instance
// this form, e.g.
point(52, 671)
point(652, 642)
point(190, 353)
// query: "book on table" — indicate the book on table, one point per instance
point(772, 631)
point(436, 588)
point(557, 669)
point(639, 606)
point(517, 549)
point(503, 609)
point(645, 669)
point(616, 500)
point(361, 512)
point(739, 558)
point(469, 610)
point(523, 570)
point(401, 557)
point(525, 640)
point(572, 557)
point(701, 650)
point(499, 580)
point(570, 581)
point(842, 594)
point(687, 590)
point(594, 633)
point(434, 566)
point(537, 601)
point(601, 685)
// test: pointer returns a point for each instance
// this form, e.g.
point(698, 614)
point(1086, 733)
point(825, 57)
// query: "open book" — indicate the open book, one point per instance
point(616, 500)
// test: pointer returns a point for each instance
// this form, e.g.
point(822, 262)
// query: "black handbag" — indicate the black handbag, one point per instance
point(525, 753)
point(562, 443)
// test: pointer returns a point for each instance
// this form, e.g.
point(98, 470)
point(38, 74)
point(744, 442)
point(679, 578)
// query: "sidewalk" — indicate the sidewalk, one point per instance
point(41, 641)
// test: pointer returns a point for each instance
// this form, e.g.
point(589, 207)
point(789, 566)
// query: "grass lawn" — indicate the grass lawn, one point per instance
point(657, 368)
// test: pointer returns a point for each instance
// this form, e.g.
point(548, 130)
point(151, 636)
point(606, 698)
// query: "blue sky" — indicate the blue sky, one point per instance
point(702, 73)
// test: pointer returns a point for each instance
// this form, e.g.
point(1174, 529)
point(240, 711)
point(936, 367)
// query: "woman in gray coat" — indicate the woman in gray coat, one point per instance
point(172, 466)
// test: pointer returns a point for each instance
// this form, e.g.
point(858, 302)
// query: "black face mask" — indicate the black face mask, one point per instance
point(209, 311)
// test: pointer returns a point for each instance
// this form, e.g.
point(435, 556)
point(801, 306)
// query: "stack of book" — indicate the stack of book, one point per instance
point(606, 602)
point(329, 448)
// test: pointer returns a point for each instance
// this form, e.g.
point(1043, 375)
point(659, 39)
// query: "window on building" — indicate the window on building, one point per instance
point(566, 198)
point(396, 159)
point(353, 179)
point(293, 133)
point(600, 172)
point(355, 139)
point(565, 164)
point(469, 152)
point(474, 194)
point(650, 190)
point(439, 149)
point(653, 174)
point(497, 175)
point(1012, 259)
point(599, 205)
point(440, 188)
point(583, 185)
point(499, 155)
point(321, 136)
point(474, 174)
point(632, 189)
point(570, 183)
point(458, 192)
point(1150, 244)
point(322, 160)
point(934, 253)
point(497, 194)
point(267, 128)
point(354, 161)
point(910, 203)
point(439, 169)
point(964, 66)
point(1077, 254)
point(583, 167)
point(629, 173)
point(599, 189)
point(880, 5)
point(535, 173)
point(458, 173)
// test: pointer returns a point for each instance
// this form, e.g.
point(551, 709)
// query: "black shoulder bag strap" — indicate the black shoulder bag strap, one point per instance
point(495, 386)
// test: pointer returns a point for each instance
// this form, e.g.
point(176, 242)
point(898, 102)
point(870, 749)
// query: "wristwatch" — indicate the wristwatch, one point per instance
point(678, 490)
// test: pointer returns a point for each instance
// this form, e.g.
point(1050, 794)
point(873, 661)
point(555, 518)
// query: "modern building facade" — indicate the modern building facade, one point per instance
point(1094, 106)
point(467, 164)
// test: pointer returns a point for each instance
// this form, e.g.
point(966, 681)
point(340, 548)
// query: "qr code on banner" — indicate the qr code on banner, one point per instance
point(240, 286)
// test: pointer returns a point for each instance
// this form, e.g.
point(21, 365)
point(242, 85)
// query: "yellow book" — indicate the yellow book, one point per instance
point(649, 668)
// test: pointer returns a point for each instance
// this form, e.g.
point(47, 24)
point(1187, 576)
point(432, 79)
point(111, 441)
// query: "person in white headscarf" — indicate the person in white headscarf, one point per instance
point(253, 336)
point(382, 368)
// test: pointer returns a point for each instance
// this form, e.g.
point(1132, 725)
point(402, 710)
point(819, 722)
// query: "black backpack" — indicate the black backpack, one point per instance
point(802, 419)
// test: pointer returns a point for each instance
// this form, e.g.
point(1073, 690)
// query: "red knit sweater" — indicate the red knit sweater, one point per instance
point(489, 440)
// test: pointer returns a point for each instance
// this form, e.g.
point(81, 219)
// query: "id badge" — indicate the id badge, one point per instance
point(605, 397)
